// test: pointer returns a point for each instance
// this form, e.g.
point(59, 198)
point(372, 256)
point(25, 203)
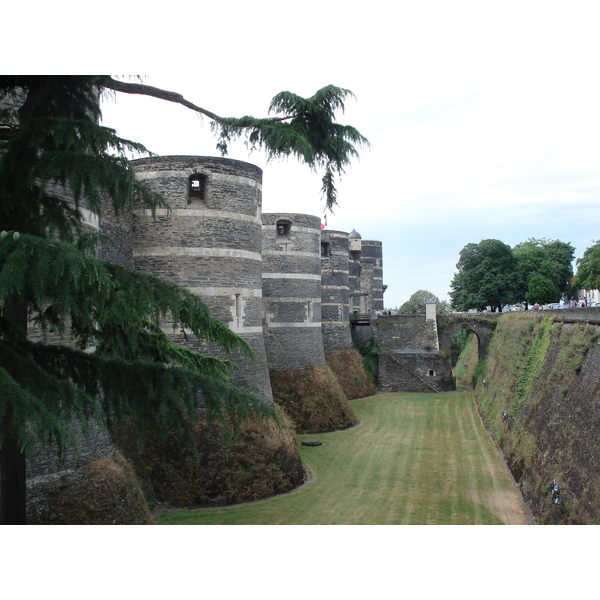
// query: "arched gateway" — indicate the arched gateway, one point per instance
point(415, 350)
point(482, 325)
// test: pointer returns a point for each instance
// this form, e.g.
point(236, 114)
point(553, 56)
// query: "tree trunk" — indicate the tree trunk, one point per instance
point(13, 469)
point(13, 464)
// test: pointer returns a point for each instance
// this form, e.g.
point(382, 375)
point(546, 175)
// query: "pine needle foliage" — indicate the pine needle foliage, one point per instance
point(304, 128)
point(119, 309)
point(44, 388)
point(134, 368)
point(59, 144)
point(113, 359)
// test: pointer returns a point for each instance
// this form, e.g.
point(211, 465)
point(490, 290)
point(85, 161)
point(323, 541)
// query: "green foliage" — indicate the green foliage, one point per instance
point(543, 269)
point(119, 309)
point(571, 355)
point(542, 290)
point(588, 269)
point(59, 141)
point(370, 354)
point(459, 340)
point(485, 276)
point(304, 128)
point(56, 162)
point(135, 368)
point(506, 356)
point(553, 435)
point(416, 303)
point(492, 274)
point(465, 347)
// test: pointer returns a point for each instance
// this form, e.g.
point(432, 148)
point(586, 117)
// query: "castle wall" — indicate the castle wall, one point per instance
point(91, 445)
point(365, 268)
point(409, 359)
point(210, 242)
point(414, 372)
point(335, 292)
point(292, 291)
point(371, 272)
point(406, 332)
point(120, 231)
point(359, 301)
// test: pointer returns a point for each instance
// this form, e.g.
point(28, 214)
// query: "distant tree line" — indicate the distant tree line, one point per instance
point(588, 269)
point(416, 304)
point(493, 274)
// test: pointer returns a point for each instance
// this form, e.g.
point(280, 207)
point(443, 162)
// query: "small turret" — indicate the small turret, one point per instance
point(354, 241)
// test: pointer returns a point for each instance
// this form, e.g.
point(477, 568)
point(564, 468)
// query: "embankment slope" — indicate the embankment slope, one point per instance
point(545, 373)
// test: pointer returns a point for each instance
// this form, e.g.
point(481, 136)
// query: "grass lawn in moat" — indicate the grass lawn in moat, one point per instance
point(413, 459)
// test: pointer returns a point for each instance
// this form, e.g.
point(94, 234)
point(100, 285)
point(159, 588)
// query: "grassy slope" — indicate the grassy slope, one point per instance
point(414, 459)
point(545, 374)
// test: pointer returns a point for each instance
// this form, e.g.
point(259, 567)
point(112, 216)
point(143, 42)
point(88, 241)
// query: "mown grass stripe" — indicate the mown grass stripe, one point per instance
point(414, 459)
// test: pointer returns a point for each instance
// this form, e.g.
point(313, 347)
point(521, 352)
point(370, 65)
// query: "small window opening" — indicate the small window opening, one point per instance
point(431, 373)
point(284, 229)
point(238, 305)
point(196, 187)
point(309, 310)
point(325, 249)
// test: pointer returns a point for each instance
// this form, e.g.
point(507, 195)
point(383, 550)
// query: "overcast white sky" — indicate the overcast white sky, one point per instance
point(484, 117)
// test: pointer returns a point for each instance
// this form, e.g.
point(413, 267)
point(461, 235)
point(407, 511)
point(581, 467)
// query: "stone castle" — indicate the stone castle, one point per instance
point(278, 280)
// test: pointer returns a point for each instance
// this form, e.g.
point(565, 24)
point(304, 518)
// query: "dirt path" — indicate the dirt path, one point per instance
point(507, 504)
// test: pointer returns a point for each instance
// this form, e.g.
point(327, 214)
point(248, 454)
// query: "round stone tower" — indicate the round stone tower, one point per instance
point(292, 291)
point(335, 298)
point(209, 242)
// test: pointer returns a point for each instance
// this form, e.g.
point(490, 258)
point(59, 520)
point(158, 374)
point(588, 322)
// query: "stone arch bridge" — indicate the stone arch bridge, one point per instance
point(481, 324)
point(415, 350)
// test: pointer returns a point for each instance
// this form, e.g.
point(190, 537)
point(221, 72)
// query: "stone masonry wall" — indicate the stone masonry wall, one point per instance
point(335, 291)
point(365, 268)
point(423, 372)
point(292, 291)
point(405, 332)
point(371, 276)
point(95, 443)
point(209, 242)
point(409, 359)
